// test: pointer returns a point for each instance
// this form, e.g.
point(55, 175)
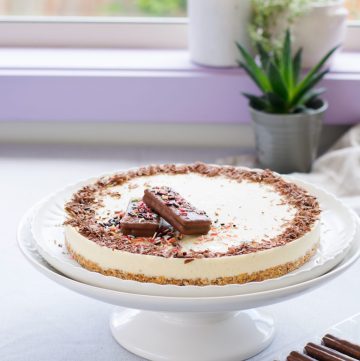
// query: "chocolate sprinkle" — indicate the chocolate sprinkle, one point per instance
point(81, 212)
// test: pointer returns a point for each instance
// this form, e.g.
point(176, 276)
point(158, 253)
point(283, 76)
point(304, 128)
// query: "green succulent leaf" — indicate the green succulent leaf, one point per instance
point(276, 103)
point(252, 75)
point(287, 66)
point(312, 95)
point(297, 66)
point(277, 82)
point(308, 79)
point(277, 59)
point(301, 93)
point(278, 76)
point(256, 101)
point(254, 70)
point(264, 56)
point(300, 109)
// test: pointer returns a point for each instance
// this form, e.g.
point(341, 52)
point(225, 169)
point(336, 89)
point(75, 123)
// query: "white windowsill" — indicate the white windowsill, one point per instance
point(45, 59)
point(94, 59)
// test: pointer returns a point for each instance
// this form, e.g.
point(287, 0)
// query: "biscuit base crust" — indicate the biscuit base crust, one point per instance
point(273, 272)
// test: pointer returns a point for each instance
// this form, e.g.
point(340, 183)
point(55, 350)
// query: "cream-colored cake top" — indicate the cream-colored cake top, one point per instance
point(250, 210)
point(240, 212)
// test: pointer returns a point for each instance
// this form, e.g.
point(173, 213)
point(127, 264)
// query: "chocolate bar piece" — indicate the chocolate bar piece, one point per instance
point(322, 353)
point(343, 346)
point(297, 356)
point(177, 211)
point(139, 220)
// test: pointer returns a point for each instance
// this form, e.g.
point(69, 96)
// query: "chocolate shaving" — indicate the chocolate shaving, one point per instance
point(84, 203)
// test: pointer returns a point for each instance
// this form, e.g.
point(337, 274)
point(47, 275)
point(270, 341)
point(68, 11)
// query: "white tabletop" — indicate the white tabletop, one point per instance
point(40, 320)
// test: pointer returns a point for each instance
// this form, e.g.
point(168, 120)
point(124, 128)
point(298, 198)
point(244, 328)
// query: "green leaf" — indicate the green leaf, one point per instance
point(301, 93)
point(252, 75)
point(256, 101)
point(278, 76)
point(312, 94)
point(297, 66)
point(313, 73)
point(253, 69)
point(264, 55)
point(277, 104)
point(277, 82)
point(300, 109)
point(287, 70)
point(277, 59)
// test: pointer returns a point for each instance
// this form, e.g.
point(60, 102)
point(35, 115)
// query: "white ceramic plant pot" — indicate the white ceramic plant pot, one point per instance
point(319, 30)
point(214, 27)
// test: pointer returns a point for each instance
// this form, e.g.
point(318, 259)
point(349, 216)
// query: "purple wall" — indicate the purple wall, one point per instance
point(200, 95)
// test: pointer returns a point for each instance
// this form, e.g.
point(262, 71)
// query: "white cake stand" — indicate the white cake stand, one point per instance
point(186, 328)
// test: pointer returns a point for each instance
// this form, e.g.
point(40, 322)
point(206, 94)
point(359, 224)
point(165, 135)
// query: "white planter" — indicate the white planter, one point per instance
point(214, 27)
point(319, 30)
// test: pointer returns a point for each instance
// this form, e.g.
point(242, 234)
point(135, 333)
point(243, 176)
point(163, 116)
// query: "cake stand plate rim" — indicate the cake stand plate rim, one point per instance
point(75, 271)
point(177, 304)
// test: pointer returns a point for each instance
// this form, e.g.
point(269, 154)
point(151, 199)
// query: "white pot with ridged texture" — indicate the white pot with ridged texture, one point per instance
point(319, 30)
point(214, 28)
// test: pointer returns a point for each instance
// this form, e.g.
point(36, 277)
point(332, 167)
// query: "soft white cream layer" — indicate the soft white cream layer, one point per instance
point(205, 268)
point(243, 212)
point(255, 212)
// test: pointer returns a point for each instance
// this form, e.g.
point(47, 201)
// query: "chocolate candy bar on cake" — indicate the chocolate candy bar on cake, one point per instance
point(139, 220)
point(171, 206)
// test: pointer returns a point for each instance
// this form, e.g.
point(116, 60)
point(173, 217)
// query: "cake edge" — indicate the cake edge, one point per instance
point(269, 273)
point(80, 213)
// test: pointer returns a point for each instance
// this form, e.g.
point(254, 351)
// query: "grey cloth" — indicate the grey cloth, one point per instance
point(338, 170)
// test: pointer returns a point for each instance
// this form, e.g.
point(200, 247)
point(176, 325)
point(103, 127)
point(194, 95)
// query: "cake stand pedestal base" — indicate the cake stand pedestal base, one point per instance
point(190, 336)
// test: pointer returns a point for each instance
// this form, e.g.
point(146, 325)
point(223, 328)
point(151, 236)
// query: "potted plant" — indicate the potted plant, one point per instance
point(325, 18)
point(287, 115)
